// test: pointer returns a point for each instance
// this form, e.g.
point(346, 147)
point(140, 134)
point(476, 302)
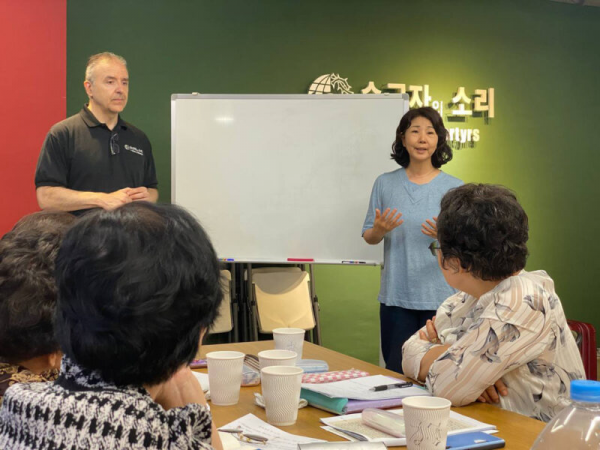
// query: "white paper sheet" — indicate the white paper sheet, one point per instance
point(359, 388)
point(203, 379)
point(277, 439)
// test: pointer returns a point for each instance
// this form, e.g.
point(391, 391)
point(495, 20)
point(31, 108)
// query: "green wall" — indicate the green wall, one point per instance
point(542, 58)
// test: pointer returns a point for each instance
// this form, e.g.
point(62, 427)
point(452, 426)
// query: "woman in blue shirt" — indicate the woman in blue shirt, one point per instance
point(402, 211)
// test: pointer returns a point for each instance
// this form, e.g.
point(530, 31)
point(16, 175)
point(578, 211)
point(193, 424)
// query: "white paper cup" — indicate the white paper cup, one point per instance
point(289, 339)
point(225, 377)
point(268, 358)
point(426, 420)
point(281, 393)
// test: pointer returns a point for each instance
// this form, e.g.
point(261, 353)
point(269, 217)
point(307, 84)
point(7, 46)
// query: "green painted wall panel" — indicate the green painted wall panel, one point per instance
point(349, 309)
point(542, 58)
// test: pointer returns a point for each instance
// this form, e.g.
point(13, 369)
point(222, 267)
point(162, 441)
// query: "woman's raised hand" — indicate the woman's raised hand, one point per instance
point(429, 228)
point(386, 222)
point(383, 224)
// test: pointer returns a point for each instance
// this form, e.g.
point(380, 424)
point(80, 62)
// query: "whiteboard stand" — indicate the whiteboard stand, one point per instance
point(252, 309)
point(234, 305)
point(316, 331)
point(246, 313)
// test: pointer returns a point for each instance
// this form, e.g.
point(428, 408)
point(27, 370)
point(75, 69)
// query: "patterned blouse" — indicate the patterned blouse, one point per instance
point(517, 332)
point(10, 374)
point(82, 411)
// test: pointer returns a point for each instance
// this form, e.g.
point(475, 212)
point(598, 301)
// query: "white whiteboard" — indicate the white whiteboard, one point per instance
point(272, 177)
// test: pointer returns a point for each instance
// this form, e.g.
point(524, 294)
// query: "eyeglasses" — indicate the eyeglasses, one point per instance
point(245, 437)
point(433, 247)
point(114, 147)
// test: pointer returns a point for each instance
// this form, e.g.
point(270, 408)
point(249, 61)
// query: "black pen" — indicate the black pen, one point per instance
point(385, 387)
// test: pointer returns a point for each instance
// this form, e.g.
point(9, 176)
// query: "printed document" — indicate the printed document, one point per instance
point(277, 439)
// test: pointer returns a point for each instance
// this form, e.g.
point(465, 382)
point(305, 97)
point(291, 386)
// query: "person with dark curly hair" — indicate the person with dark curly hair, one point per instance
point(504, 337)
point(28, 350)
point(402, 212)
point(137, 288)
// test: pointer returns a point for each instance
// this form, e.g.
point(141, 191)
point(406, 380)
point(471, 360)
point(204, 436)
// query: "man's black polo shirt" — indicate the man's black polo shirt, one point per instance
point(77, 155)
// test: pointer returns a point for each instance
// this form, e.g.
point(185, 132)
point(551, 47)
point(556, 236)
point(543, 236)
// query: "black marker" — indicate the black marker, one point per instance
point(385, 387)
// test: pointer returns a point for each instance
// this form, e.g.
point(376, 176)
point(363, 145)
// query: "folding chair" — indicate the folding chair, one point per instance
point(585, 336)
point(282, 300)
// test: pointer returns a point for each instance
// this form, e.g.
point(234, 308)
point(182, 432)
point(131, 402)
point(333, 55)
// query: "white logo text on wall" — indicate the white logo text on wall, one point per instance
point(460, 107)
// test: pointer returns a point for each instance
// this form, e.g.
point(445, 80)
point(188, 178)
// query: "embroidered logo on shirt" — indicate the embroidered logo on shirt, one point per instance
point(134, 149)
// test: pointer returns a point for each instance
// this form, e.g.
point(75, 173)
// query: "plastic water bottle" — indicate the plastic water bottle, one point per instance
point(576, 427)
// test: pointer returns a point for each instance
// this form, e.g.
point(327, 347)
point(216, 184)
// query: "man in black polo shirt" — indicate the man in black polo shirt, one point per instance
point(95, 159)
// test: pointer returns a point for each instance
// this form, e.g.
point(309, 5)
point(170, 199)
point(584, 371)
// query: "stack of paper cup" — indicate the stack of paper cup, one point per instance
point(225, 377)
point(426, 421)
point(289, 339)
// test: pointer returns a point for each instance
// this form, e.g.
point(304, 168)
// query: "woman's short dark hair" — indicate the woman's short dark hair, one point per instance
point(27, 286)
point(136, 286)
point(485, 228)
point(443, 152)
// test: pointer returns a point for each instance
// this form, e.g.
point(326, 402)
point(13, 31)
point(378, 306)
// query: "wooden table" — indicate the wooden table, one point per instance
point(518, 431)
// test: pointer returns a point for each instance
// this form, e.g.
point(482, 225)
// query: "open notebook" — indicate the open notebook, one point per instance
point(348, 396)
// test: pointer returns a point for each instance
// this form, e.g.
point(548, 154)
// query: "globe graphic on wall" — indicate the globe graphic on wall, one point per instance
point(328, 83)
point(321, 85)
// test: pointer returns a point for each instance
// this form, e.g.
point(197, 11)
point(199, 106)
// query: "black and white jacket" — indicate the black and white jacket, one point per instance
point(82, 411)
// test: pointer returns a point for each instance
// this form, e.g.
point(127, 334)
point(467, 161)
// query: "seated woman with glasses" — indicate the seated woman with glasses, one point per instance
point(505, 332)
point(137, 288)
point(28, 351)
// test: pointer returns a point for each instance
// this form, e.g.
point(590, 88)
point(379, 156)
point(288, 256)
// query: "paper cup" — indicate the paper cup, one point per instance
point(426, 420)
point(289, 339)
point(281, 393)
point(225, 377)
point(268, 358)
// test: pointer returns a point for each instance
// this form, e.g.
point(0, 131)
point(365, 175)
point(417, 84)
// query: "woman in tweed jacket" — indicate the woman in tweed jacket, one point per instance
point(137, 287)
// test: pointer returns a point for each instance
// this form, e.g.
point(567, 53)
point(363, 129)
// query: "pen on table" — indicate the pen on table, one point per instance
point(244, 436)
point(385, 387)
